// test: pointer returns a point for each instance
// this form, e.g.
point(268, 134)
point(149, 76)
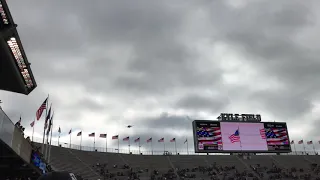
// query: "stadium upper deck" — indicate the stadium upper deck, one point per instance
point(15, 72)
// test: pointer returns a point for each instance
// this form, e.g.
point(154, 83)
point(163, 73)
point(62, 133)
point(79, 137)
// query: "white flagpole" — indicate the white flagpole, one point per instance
point(81, 140)
point(152, 146)
point(294, 146)
point(139, 146)
point(314, 148)
point(94, 142)
point(304, 147)
point(118, 143)
point(70, 139)
point(129, 144)
point(187, 147)
point(175, 146)
point(43, 137)
point(106, 142)
point(58, 140)
point(34, 123)
point(164, 147)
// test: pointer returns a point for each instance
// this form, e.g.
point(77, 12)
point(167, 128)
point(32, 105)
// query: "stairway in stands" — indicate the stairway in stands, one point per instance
point(63, 159)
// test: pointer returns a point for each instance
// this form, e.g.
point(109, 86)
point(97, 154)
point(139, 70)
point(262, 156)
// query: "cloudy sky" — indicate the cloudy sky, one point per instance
point(107, 64)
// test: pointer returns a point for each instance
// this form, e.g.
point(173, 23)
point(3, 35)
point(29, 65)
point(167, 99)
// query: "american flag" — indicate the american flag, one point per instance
point(41, 108)
point(235, 137)
point(186, 141)
point(47, 118)
point(79, 133)
point(70, 131)
point(300, 142)
point(277, 136)
point(126, 139)
point(263, 133)
point(149, 140)
point(92, 134)
point(137, 140)
point(292, 142)
point(32, 123)
point(59, 130)
point(115, 137)
point(173, 140)
point(103, 135)
point(309, 142)
point(161, 140)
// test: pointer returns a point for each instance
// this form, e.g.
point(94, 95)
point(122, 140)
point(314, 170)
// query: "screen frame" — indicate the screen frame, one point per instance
point(195, 139)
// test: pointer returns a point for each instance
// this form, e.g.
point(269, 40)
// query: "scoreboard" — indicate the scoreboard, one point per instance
point(225, 137)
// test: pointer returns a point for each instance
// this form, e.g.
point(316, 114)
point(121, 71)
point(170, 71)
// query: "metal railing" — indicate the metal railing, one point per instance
point(155, 152)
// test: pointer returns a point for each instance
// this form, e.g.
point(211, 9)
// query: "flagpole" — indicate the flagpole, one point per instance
point(129, 144)
point(49, 154)
point(239, 138)
point(59, 136)
point(139, 146)
point(294, 146)
point(106, 142)
point(70, 140)
point(164, 147)
point(187, 147)
point(33, 128)
point(175, 146)
point(81, 140)
point(314, 148)
point(304, 147)
point(118, 143)
point(43, 137)
point(94, 142)
point(152, 146)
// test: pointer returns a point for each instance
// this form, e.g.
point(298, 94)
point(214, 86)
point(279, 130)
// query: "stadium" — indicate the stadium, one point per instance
point(231, 147)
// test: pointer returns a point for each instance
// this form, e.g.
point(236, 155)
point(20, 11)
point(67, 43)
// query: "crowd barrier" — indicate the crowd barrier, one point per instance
point(154, 152)
point(13, 137)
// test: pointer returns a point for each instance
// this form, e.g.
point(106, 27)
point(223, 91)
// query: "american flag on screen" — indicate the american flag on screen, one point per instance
point(309, 142)
point(209, 135)
point(263, 133)
point(126, 139)
point(300, 142)
point(277, 136)
point(235, 137)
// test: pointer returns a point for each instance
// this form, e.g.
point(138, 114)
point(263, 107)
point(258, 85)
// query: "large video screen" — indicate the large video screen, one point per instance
point(217, 136)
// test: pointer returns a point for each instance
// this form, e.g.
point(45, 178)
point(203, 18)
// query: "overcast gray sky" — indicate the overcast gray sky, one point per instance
point(107, 64)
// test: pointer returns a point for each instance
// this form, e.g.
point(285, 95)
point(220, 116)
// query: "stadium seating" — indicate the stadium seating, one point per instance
point(95, 165)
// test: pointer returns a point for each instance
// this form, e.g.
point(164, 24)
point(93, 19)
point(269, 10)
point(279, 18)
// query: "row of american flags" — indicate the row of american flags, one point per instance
point(302, 142)
point(116, 137)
